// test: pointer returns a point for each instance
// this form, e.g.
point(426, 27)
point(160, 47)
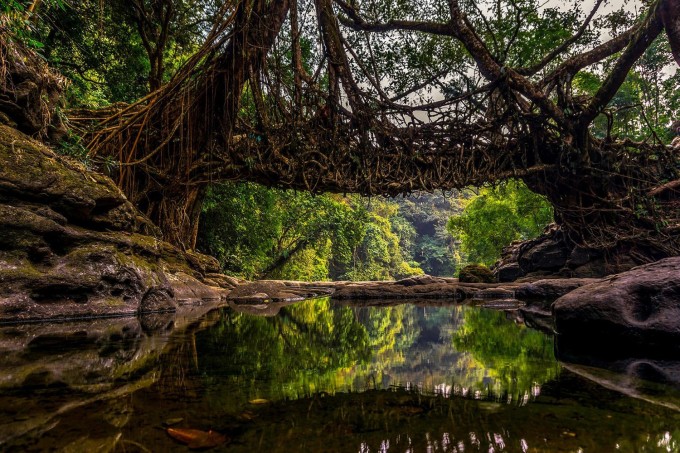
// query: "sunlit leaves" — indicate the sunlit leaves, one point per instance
point(496, 217)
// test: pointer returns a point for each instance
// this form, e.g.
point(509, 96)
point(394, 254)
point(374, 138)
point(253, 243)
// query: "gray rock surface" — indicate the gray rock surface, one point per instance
point(550, 288)
point(509, 272)
point(547, 255)
point(632, 311)
point(555, 255)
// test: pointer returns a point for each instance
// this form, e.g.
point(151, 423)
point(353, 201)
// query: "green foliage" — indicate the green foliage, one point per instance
point(430, 244)
point(647, 102)
point(22, 23)
point(497, 216)
point(259, 232)
point(238, 226)
point(98, 45)
point(379, 256)
point(516, 356)
point(72, 145)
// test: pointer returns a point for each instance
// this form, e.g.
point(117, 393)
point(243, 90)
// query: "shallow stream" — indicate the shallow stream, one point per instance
point(317, 376)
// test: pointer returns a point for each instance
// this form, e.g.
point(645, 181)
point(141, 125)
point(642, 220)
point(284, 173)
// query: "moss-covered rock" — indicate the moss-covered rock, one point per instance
point(32, 173)
point(73, 246)
point(476, 273)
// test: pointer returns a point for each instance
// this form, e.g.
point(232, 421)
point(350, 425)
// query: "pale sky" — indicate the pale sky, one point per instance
point(611, 5)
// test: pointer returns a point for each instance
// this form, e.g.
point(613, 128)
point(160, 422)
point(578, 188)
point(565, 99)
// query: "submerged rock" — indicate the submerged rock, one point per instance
point(638, 310)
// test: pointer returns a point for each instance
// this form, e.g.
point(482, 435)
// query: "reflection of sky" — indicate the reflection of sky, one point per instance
point(587, 5)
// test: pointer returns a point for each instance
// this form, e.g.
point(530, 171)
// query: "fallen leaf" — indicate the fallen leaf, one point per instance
point(195, 438)
point(172, 421)
point(259, 401)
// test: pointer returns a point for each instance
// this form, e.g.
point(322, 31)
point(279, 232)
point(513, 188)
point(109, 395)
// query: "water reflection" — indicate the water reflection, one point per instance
point(317, 377)
point(317, 346)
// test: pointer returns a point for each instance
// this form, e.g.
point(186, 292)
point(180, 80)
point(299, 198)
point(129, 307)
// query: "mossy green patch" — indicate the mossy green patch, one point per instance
point(476, 273)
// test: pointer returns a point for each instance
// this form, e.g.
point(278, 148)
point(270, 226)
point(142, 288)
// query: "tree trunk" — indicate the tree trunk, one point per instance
point(176, 212)
point(166, 186)
point(670, 16)
point(610, 203)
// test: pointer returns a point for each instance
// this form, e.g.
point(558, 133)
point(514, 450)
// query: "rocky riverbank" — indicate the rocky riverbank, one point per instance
point(421, 287)
point(634, 312)
point(72, 246)
point(554, 254)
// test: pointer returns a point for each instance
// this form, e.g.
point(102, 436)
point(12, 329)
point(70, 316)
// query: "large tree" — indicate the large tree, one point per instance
point(401, 96)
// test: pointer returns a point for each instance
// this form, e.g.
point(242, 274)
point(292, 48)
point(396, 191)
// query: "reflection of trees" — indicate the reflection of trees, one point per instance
point(312, 346)
point(503, 357)
point(391, 332)
point(389, 328)
point(297, 352)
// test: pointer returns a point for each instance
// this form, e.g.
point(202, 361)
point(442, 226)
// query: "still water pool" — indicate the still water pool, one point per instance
point(317, 376)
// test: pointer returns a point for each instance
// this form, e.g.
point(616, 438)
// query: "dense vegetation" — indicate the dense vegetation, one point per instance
point(120, 51)
point(497, 216)
point(259, 232)
point(271, 233)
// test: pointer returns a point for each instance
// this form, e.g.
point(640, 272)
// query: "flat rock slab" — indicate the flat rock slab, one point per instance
point(502, 304)
point(271, 291)
point(551, 288)
point(414, 288)
point(494, 294)
point(637, 310)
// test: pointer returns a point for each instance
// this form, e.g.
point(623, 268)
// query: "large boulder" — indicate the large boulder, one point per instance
point(73, 246)
point(546, 255)
point(476, 273)
point(509, 272)
point(635, 311)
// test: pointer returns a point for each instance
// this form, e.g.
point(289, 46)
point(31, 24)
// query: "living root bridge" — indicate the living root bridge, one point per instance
point(249, 107)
